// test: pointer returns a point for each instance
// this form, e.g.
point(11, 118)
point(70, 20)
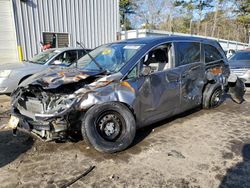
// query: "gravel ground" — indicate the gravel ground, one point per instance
point(201, 148)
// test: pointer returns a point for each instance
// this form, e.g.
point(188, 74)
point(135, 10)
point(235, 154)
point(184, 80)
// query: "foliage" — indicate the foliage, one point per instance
point(217, 18)
point(126, 7)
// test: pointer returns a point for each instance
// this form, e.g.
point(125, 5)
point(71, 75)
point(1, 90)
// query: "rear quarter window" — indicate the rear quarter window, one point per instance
point(212, 54)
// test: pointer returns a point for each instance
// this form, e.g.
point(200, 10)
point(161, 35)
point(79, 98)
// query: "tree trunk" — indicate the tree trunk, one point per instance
point(215, 18)
point(247, 40)
point(200, 13)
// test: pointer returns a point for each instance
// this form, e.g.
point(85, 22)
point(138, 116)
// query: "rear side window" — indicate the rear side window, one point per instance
point(66, 58)
point(188, 52)
point(212, 54)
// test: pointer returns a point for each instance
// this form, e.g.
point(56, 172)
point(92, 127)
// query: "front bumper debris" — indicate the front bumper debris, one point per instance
point(236, 88)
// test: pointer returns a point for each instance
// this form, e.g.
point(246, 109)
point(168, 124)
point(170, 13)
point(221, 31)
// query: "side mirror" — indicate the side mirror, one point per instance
point(146, 70)
point(57, 62)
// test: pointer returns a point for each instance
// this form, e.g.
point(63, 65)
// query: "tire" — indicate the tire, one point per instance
point(212, 96)
point(108, 127)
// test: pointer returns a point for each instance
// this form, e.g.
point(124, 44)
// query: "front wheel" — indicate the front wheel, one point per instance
point(109, 127)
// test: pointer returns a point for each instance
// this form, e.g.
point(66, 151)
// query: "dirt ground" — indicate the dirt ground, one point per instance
point(202, 148)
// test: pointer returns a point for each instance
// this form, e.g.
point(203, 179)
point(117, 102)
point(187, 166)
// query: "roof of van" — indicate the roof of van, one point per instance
point(147, 40)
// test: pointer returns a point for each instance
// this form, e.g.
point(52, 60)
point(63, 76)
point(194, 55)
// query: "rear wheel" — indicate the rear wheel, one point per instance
point(212, 96)
point(109, 127)
point(216, 98)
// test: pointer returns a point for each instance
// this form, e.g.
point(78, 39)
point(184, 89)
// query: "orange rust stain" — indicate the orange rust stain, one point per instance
point(216, 70)
point(126, 84)
point(62, 73)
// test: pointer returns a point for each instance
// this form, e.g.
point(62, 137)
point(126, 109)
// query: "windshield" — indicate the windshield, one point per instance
point(43, 57)
point(241, 56)
point(110, 57)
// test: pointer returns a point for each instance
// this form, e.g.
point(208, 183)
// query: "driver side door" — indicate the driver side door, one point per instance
point(158, 91)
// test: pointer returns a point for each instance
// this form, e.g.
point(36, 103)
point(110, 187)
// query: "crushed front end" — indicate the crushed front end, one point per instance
point(47, 113)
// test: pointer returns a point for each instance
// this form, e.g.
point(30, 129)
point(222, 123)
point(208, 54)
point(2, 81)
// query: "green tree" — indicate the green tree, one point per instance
point(195, 5)
point(243, 15)
point(187, 11)
point(126, 8)
point(216, 15)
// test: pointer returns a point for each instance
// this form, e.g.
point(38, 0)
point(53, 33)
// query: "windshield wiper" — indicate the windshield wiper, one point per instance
point(93, 59)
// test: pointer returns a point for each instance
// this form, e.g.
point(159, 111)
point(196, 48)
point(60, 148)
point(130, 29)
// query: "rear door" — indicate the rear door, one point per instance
point(192, 72)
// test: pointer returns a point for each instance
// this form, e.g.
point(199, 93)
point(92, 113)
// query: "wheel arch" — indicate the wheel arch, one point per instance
point(130, 108)
point(24, 78)
point(208, 90)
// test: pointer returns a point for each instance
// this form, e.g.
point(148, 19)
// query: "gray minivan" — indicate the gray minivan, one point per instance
point(121, 87)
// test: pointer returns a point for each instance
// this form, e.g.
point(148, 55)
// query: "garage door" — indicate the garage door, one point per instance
point(8, 48)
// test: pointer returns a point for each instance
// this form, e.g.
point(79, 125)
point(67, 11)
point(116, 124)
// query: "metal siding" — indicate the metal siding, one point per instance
point(92, 22)
point(81, 22)
point(8, 48)
point(87, 30)
point(84, 23)
point(77, 23)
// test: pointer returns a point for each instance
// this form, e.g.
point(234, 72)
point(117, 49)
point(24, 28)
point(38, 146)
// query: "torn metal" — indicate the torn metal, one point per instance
point(236, 88)
point(49, 106)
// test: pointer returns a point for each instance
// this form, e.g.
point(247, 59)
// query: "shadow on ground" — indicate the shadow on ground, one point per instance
point(12, 147)
point(239, 175)
point(142, 133)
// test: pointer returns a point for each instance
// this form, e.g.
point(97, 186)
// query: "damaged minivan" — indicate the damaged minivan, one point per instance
point(122, 86)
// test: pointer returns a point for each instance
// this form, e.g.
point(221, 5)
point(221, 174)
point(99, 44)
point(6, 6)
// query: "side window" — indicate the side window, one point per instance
point(158, 59)
point(133, 73)
point(212, 54)
point(187, 52)
point(81, 53)
point(65, 58)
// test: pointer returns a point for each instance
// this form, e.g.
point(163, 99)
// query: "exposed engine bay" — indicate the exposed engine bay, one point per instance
point(47, 112)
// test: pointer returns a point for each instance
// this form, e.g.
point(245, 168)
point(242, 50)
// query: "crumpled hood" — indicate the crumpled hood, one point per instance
point(18, 65)
point(54, 77)
point(239, 64)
